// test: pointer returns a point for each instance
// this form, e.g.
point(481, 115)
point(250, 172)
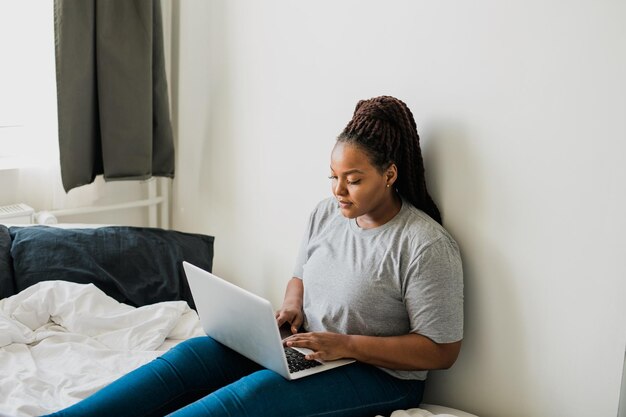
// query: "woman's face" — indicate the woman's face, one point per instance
point(362, 190)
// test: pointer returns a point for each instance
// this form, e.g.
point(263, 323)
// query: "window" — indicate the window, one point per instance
point(28, 119)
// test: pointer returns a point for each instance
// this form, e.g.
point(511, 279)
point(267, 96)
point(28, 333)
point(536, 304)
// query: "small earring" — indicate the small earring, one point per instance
point(388, 185)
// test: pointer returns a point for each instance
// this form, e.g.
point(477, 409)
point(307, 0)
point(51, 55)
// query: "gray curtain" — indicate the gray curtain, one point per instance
point(113, 106)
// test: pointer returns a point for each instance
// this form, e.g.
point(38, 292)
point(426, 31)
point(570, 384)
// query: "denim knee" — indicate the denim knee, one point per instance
point(207, 363)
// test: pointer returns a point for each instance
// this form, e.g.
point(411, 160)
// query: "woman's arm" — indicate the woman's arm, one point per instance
point(406, 352)
point(291, 311)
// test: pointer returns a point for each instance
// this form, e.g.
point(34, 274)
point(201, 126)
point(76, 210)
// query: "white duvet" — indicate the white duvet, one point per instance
point(60, 342)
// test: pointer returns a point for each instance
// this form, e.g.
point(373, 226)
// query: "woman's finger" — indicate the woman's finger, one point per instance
point(296, 322)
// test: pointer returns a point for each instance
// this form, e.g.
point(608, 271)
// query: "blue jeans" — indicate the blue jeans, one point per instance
point(201, 377)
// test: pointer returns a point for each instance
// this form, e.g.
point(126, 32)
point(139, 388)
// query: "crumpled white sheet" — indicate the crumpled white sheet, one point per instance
point(61, 341)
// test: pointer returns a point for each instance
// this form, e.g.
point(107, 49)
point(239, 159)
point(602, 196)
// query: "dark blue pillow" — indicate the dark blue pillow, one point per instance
point(134, 265)
point(7, 286)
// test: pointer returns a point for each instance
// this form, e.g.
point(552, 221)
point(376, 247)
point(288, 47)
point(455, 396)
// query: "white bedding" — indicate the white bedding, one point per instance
point(60, 342)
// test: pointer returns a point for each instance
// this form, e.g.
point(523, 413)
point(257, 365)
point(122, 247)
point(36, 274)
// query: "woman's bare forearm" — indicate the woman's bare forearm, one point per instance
point(294, 293)
point(406, 352)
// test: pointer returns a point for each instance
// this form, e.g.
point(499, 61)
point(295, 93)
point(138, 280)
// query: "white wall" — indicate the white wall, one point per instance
point(520, 106)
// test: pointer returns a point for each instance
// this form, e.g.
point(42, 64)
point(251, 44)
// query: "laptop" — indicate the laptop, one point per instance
point(246, 323)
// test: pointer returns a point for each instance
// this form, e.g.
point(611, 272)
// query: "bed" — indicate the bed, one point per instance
point(81, 306)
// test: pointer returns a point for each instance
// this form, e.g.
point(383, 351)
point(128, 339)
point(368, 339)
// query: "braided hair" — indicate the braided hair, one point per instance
point(384, 128)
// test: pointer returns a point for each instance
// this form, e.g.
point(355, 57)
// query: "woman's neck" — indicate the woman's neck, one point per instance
point(382, 214)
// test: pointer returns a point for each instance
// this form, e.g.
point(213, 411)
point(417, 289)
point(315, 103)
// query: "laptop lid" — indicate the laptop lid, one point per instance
point(237, 318)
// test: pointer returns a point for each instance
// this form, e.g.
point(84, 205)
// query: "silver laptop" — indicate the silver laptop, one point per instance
point(246, 323)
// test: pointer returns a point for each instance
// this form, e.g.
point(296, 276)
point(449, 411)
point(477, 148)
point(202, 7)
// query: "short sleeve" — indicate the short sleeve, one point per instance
point(434, 292)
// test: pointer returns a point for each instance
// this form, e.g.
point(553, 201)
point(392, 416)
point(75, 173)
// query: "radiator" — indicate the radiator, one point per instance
point(16, 214)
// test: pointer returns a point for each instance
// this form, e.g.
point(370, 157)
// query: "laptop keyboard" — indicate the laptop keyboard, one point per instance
point(297, 361)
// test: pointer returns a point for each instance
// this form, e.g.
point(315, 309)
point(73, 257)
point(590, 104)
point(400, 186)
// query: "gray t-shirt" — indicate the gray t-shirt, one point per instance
point(402, 277)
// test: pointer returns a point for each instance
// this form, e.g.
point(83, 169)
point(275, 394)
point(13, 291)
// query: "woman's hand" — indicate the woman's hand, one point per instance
point(326, 346)
point(290, 314)
point(291, 311)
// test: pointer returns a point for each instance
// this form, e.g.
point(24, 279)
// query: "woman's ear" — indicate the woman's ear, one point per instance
point(391, 174)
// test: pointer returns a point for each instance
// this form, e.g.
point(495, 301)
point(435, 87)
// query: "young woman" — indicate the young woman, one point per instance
point(377, 279)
